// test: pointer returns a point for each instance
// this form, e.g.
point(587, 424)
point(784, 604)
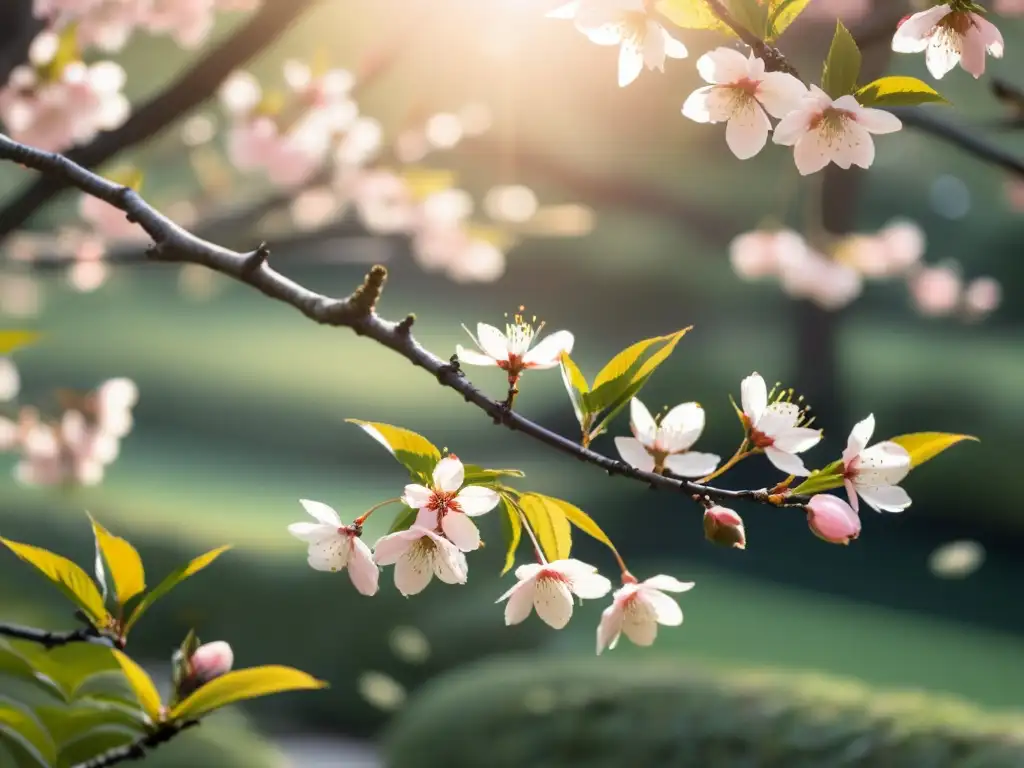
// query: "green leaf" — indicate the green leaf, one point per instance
point(68, 725)
point(692, 14)
point(819, 483)
point(413, 451)
point(549, 524)
point(67, 667)
point(623, 370)
point(924, 446)
point(172, 580)
point(404, 520)
point(513, 527)
point(577, 387)
point(637, 381)
point(123, 561)
point(145, 691)
point(241, 685)
point(898, 92)
point(12, 341)
point(584, 522)
point(480, 476)
point(781, 14)
point(842, 67)
point(29, 734)
point(14, 665)
point(67, 577)
point(752, 15)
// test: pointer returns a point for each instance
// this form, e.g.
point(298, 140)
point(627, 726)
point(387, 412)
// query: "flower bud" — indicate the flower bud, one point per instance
point(724, 527)
point(832, 519)
point(210, 661)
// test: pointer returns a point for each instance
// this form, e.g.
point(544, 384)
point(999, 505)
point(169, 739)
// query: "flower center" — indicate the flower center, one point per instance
point(957, 23)
point(553, 575)
point(761, 440)
point(831, 123)
point(443, 502)
point(745, 88)
point(634, 27)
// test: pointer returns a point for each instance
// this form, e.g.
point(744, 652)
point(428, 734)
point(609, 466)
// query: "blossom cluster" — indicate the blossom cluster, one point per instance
point(74, 447)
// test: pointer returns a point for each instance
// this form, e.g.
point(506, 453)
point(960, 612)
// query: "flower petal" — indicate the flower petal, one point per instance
point(722, 66)
point(884, 463)
point(674, 49)
point(746, 133)
point(528, 571)
point(631, 63)
point(692, 464)
point(417, 496)
point(413, 571)
point(812, 152)
point(492, 341)
point(640, 624)
point(610, 627)
point(449, 474)
point(642, 423)
point(779, 418)
point(590, 586)
point(787, 462)
point(312, 532)
point(390, 548)
point(547, 353)
point(860, 436)
point(666, 610)
point(362, 570)
point(520, 602)
point(668, 584)
point(798, 439)
point(972, 52)
point(553, 602)
point(329, 554)
point(449, 563)
point(885, 498)
point(780, 93)
point(990, 35)
point(943, 53)
point(754, 397)
point(653, 45)
point(794, 126)
point(710, 104)
point(471, 357)
point(633, 453)
point(477, 500)
point(461, 531)
point(566, 11)
point(321, 512)
point(681, 427)
point(912, 35)
point(877, 120)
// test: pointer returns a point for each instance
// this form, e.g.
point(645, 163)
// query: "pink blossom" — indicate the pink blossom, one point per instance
point(448, 506)
point(777, 428)
point(949, 37)
point(761, 252)
point(723, 526)
point(419, 554)
point(832, 519)
point(549, 588)
point(334, 546)
point(936, 290)
point(874, 473)
point(210, 661)
point(807, 274)
point(982, 297)
point(638, 609)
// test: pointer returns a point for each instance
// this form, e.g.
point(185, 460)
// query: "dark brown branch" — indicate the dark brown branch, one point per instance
point(176, 245)
point(139, 748)
point(773, 58)
point(54, 639)
point(189, 91)
point(961, 138)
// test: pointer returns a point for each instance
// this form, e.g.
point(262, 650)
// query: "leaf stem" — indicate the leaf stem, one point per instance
point(365, 516)
point(533, 537)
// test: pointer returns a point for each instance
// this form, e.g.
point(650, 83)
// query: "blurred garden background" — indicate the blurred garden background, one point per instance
point(243, 401)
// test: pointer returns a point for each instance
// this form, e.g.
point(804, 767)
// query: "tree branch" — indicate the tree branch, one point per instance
point(137, 749)
point(189, 91)
point(54, 639)
point(962, 138)
point(357, 311)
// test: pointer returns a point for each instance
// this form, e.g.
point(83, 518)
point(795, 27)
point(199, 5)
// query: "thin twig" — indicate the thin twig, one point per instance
point(54, 639)
point(139, 748)
point(175, 245)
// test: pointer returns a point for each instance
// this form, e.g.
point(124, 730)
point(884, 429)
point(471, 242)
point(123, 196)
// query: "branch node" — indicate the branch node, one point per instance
point(405, 326)
point(364, 299)
point(255, 260)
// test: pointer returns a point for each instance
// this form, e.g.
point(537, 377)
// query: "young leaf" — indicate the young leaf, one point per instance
point(842, 67)
point(818, 483)
point(123, 561)
point(549, 524)
point(924, 446)
point(413, 451)
point(692, 14)
point(513, 527)
point(29, 734)
point(584, 522)
point(623, 370)
point(11, 341)
point(404, 520)
point(142, 684)
point(68, 578)
point(576, 385)
point(781, 14)
point(480, 476)
point(898, 92)
point(751, 14)
point(241, 685)
point(169, 583)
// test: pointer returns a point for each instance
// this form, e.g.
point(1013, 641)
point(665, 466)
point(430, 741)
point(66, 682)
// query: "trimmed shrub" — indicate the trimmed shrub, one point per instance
point(606, 713)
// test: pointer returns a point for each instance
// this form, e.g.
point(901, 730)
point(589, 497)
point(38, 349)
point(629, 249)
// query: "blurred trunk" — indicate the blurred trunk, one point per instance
point(819, 377)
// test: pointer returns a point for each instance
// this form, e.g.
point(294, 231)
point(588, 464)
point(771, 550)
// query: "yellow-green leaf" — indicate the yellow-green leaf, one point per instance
point(692, 14)
point(413, 451)
point(514, 531)
point(576, 385)
point(898, 91)
point(173, 580)
point(142, 685)
point(842, 67)
point(404, 520)
point(549, 524)
point(627, 367)
point(584, 522)
point(68, 578)
point(782, 13)
point(923, 446)
point(476, 475)
point(752, 15)
point(12, 341)
point(241, 685)
point(123, 561)
point(29, 734)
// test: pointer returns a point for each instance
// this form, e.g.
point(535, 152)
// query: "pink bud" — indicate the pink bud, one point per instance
point(724, 527)
point(211, 660)
point(832, 519)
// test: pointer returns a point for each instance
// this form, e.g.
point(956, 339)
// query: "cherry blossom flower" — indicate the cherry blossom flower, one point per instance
point(874, 473)
point(777, 428)
point(418, 555)
point(806, 274)
point(549, 588)
point(949, 36)
point(10, 380)
point(724, 527)
point(66, 453)
point(936, 290)
point(665, 444)
point(512, 351)
point(641, 39)
point(333, 546)
point(638, 609)
point(822, 131)
point(832, 519)
point(742, 95)
point(450, 505)
point(760, 253)
point(982, 297)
